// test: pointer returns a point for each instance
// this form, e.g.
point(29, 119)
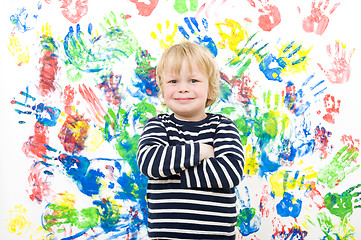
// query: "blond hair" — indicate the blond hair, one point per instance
point(193, 53)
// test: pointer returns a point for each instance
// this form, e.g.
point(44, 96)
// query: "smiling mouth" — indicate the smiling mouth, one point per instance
point(183, 99)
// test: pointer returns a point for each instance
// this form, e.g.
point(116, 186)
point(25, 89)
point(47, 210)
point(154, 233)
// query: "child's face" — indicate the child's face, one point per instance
point(186, 94)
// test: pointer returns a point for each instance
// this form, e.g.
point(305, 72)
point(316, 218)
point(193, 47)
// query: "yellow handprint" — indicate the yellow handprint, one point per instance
point(237, 34)
point(21, 54)
point(168, 39)
point(46, 31)
point(281, 181)
point(252, 166)
point(294, 57)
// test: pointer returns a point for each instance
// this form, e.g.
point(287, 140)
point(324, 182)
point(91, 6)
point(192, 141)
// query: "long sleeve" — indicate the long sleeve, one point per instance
point(157, 159)
point(225, 170)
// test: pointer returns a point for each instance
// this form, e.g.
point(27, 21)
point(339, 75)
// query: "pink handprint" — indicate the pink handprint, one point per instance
point(270, 17)
point(318, 20)
point(339, 70)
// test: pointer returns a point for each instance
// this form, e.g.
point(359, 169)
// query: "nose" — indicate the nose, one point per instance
point(183, 87)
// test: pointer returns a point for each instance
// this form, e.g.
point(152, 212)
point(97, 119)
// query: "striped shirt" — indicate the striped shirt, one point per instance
point(188, 198)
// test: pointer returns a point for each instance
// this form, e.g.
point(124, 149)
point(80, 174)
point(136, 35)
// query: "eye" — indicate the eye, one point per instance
point(194, 80)
point(172, 81)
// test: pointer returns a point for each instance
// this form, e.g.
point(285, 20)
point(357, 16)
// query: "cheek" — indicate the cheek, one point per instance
point(167, 92)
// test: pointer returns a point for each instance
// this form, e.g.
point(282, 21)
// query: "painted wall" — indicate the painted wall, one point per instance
point(78, 85)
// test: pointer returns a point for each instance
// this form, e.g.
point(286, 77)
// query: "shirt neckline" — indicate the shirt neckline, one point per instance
point(185, 122)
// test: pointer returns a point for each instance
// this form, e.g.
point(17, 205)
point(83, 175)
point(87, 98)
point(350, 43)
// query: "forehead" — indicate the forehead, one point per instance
point(175, 65)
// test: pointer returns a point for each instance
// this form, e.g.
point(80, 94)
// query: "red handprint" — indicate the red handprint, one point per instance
point(73, 10)
point(318, 20)
point(332, 107)
point(339, 70)
point(350, 142)
point(245, 90)
point(270, 17)
point(321, 141)
point(144, 8)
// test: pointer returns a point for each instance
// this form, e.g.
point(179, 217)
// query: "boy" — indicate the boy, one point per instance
point(193, 159)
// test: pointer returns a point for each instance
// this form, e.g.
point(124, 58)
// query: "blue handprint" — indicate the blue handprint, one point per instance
point(289, 206)
point(295, 100)
point(193, 27)
point(46, 116)
point(248, 221)
point(274, 73)
point(292, 58)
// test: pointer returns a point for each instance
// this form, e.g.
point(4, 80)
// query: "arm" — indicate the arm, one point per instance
point(156, 159)
point(225, 169)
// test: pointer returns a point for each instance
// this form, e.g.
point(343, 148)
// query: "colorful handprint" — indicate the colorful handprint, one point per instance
point(292, 58)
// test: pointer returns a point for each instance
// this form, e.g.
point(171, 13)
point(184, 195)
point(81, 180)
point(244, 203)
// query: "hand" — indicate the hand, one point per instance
point(205, 151)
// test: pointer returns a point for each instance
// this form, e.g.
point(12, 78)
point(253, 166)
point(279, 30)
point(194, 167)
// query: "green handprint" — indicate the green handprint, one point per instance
point(343, 205)
point(181, 7)
point(80, 52)
point(273, 122)
point(119, 41)
point(339, 167)
point(331, 231)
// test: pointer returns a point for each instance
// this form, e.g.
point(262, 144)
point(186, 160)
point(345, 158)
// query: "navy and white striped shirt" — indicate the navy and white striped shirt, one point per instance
point(188, 198)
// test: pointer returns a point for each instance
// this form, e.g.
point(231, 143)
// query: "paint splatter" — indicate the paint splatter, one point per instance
point(36, 144)
point(48, 63)
point(24, 20)
point(61, 216)
point(73, 133)
point(77, 167)
point(40, 183)
point(18, 222)
point(110, 86)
